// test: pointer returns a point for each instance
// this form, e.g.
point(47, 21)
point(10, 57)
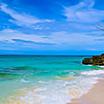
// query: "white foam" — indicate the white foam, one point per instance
point(59, 91)
point(47, 95)
point(89, 65)
point(93, 72)
point(24, 81)
point(101, 66)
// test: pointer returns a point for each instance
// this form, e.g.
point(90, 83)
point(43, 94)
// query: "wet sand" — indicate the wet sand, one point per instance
point(94, 96)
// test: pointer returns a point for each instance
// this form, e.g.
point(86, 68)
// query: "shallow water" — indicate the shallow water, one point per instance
point(46, 79)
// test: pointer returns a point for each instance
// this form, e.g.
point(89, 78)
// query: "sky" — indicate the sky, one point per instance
point(51, 27)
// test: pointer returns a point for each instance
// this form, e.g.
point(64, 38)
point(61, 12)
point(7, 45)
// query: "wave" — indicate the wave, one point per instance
point(54, 91)
point(101, 66)
point(93, 72)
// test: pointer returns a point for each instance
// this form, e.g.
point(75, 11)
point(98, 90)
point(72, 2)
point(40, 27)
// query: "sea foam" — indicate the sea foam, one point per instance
point(57, 91)
point(93, 72)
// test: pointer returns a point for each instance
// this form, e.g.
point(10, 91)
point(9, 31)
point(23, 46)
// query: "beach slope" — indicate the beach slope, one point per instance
point(94, 96)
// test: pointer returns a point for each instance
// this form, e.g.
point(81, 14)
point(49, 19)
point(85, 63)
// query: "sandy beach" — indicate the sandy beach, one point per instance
point(94, 96)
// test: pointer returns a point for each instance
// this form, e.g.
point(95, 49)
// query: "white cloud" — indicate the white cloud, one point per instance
point(65, 38)
point(92, 49)
point(21, 18)
point(84, 12)
point(9, 35)
point(60, 39)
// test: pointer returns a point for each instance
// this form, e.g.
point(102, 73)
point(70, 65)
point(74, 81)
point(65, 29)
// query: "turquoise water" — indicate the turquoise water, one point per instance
point(49, 72)
point(12, 67)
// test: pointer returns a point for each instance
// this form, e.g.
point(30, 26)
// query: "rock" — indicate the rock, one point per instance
point(94, 60)
point(87, 61)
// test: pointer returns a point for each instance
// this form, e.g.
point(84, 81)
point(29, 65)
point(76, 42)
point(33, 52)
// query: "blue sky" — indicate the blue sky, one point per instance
point(51, 26)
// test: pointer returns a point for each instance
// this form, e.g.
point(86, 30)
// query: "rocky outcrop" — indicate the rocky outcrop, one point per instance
point(94, 60)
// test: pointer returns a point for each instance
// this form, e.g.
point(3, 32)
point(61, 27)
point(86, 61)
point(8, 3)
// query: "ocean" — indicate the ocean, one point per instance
point(45, 79)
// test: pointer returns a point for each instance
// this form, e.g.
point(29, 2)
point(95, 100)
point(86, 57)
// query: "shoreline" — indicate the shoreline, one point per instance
point(88, 98)
point(94, 96)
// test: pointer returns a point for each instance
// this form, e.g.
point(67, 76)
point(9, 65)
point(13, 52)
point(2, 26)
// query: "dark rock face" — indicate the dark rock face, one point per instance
point(87, 61)
point(94, 60)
